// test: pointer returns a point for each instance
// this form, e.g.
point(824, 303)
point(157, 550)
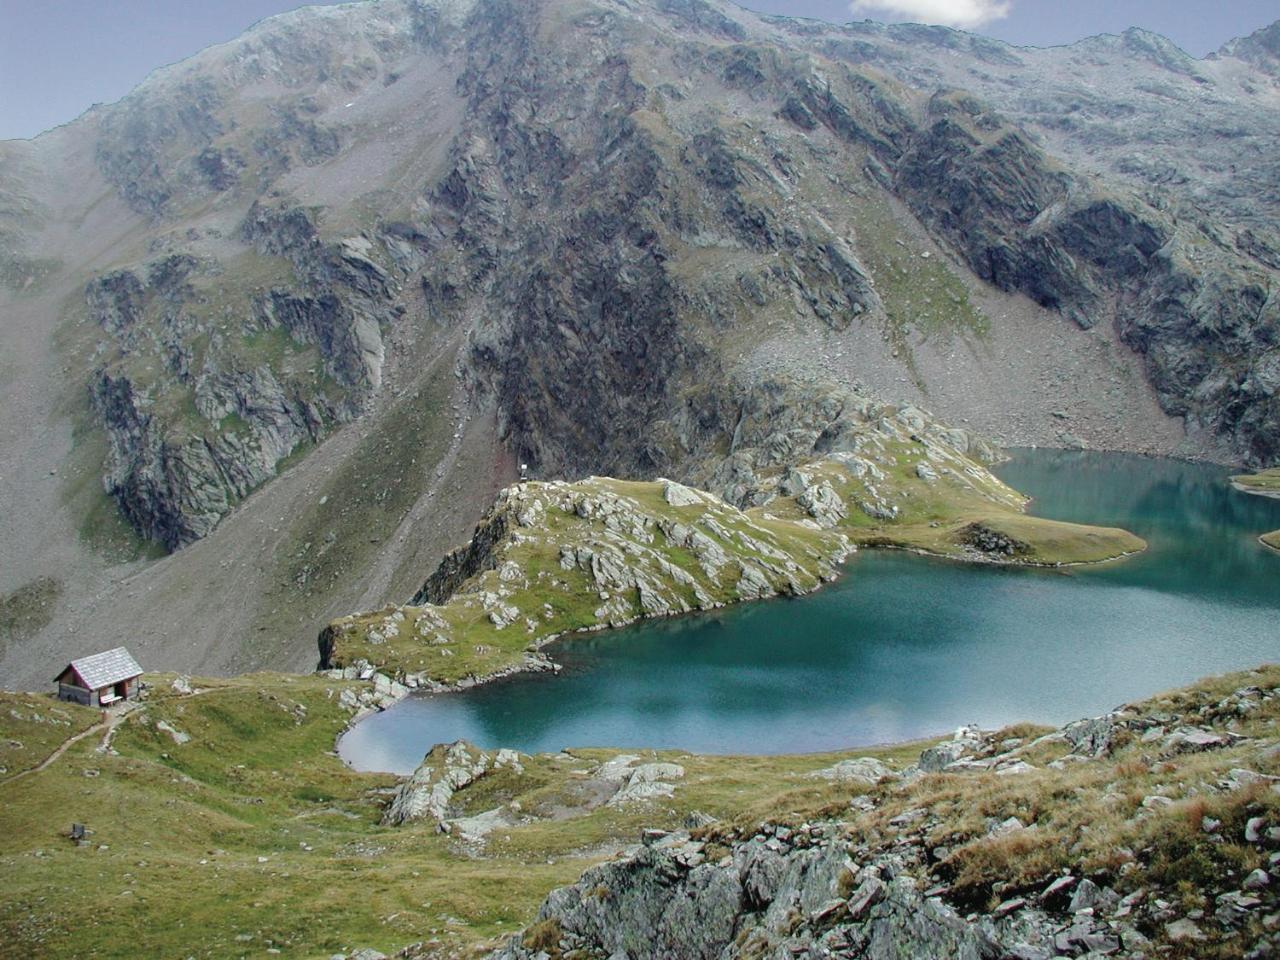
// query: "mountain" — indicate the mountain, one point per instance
point(281, 323)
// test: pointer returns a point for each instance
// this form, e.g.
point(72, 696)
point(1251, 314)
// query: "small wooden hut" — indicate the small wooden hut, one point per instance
point(100, 680)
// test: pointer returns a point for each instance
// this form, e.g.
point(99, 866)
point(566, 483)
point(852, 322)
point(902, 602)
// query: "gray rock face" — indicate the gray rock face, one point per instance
point(648, 781)
point(1024, 225)
point(448, 768)
point(1092, 737)
point(592, 221)
point(860, 770)
point(195, 423)
point(464, 563)
point(801, 897)
point(945, 754)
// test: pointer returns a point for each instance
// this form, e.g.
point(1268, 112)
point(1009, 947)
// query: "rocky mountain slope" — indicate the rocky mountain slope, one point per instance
point(398, 247)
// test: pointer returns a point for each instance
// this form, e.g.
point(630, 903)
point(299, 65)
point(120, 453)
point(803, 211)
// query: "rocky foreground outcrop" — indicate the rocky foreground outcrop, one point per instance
point(1151, 831)
point(436, 792)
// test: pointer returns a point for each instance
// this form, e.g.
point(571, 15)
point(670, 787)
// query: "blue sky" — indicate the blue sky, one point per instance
point(57, 57)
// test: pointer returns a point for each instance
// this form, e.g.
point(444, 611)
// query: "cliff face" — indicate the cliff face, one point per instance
point(1199, 308)
point(203, 392)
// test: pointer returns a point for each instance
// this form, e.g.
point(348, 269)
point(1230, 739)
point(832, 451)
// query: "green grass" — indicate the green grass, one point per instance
point(1046, 542)
point(179, 830)
point(279, 351)
point(252, 835)
point(937, 516)
point(1263, 482)
point(33, 726)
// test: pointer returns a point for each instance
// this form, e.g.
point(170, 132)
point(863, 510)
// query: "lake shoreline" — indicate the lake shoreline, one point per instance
point(542, 661)
point(1245, 488)
point(816, 670)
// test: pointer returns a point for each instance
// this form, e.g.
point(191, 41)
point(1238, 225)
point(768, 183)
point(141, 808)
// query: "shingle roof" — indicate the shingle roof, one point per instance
point(104, 669)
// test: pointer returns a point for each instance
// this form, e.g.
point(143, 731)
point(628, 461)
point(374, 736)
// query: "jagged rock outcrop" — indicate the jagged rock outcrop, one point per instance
point(447, 769)
point(907, 870)
point(439, 790)
point(779, 423)
point(1021, 222)
point(802, 896)
point(476, 557)
point(197, 422)
point(1261, 49)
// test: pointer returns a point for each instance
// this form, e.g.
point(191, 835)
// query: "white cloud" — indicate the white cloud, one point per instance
point(952, 13)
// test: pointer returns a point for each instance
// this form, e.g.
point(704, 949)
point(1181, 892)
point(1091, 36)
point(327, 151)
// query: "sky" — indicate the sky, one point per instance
point(58, 57)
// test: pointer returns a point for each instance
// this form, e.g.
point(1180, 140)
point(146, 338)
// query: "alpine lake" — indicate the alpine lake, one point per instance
point(904, 646)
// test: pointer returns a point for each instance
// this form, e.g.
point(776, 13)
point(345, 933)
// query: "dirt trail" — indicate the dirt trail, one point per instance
point(106, 727)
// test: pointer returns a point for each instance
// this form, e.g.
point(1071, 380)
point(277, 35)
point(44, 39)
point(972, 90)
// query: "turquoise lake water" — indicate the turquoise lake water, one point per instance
point(904, 646)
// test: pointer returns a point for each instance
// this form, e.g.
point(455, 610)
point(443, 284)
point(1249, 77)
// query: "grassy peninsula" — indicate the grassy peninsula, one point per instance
point(554, 558)
point(1265, 484)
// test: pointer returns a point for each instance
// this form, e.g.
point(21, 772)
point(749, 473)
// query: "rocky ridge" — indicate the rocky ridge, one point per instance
point(552, 558)
point(1183, 863)
point(1172, 147)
